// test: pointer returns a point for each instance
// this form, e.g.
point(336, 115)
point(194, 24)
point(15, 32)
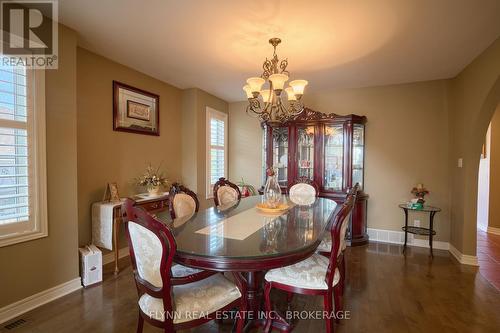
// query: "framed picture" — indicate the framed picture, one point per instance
point(135, 110)
point(111, 193)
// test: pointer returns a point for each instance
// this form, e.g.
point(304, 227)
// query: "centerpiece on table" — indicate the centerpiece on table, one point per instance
point(152, 180)
point(272, 194)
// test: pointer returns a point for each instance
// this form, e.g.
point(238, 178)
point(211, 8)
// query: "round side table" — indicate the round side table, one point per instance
point(420, 230)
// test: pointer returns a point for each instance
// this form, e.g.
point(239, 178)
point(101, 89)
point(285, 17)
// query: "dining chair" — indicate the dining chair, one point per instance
point(303, 186)
point(165, 301)
point(316, 275)
point(225, 192)
point(182, 201)
point(325, 246)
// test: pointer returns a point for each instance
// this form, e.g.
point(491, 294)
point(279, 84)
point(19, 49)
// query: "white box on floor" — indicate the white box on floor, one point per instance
point(91, 265)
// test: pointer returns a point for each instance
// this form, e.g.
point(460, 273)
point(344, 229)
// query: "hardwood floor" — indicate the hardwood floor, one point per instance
point(386, 292)
point(488, 256)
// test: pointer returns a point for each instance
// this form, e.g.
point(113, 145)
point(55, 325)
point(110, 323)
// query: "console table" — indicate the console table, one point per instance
point(420, 230)
point(105, 230)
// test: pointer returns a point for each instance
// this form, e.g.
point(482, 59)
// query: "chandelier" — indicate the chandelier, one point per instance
point(268, 103)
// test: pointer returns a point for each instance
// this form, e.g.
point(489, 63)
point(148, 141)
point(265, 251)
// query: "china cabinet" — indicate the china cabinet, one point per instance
point(326, 148)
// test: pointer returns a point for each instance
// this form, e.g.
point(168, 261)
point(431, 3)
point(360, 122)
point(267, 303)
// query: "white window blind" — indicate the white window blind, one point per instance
point(216, 148)
point(22, 155)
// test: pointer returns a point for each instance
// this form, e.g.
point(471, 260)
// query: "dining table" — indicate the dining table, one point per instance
point(239, 237)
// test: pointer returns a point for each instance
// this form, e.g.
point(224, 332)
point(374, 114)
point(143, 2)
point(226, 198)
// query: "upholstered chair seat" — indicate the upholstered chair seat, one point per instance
point(193, 299)
point(174, 297)
point(225, 192)
point(182, 271)
point(307, 274)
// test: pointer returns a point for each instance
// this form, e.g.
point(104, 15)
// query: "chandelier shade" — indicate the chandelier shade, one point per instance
point(272, 104)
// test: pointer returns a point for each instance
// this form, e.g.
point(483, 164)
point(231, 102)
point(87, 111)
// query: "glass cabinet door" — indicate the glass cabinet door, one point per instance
point(334, 157)
point(358, 149)
point(305, 152)
point(280, 154)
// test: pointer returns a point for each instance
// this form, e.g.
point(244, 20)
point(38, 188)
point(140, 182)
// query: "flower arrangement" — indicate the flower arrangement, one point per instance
point(419, 192)
point(152, 179)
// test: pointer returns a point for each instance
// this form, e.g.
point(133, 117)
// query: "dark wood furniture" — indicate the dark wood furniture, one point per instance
point(329, 150)
point(152, 205)
point(333, 286)
point(175, 189)
point(420, 230)
point(165, 291)
point(276, 242)
point(224, 182)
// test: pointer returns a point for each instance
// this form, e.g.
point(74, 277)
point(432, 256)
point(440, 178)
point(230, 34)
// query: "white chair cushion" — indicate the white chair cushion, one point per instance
point(309, 273)
point(302, 189)
point(193, 300)
point(181, 271)
point(183, 205)
point(226, 194)
point(148, 251)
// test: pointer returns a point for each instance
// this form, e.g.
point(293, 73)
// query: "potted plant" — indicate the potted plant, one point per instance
point(152, 180)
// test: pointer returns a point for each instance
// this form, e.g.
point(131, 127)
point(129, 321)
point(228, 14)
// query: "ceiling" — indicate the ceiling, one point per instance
point(216, 44)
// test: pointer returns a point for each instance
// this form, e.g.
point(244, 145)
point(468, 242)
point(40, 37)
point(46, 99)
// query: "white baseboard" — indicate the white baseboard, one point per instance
point(493, 230)
point(110, 257)
point(29, 303)
point(464, 259)
point(398, 237)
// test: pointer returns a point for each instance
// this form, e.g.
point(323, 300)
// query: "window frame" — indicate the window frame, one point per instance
point(37, 224)
point(212, 113)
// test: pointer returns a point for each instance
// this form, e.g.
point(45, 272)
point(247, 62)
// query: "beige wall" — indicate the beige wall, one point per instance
point(105, 155)
point(494, 188)
point(472, 99)
point(195, 102)
point(245, 149)
point(34, 266)
point(406, 144)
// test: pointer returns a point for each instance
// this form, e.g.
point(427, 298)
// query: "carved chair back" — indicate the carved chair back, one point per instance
point(303, 186)
point(225, 192)
point(338, 231)
point(152, 249)
point(182, 201)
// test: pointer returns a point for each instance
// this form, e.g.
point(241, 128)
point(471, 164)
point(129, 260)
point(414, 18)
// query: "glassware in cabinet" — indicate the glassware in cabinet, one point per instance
point(334, 157)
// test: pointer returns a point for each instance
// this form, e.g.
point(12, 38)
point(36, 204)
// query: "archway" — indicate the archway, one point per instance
point(472, 154)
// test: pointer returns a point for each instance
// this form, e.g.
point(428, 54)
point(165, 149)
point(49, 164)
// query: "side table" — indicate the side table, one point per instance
point(420, 230)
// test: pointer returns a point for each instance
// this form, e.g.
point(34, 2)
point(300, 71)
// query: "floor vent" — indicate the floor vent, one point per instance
point(15, 324)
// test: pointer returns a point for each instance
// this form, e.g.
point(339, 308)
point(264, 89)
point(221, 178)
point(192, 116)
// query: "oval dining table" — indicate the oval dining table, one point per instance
point(239, 237)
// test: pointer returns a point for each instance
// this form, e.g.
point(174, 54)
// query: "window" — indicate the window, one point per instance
point(23, 207)
point(216, 148)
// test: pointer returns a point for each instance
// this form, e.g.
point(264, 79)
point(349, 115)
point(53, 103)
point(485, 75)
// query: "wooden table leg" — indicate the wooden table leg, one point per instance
point(116, 229)
point(431, 230)
point(406, 229)
point(256, 315)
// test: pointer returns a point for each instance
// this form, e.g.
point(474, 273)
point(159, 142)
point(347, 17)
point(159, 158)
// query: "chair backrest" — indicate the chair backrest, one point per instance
point(303, 186)
point(338, 231)
point(182, 201)
point(152, 249)
point(225, 192)
point(345, 224)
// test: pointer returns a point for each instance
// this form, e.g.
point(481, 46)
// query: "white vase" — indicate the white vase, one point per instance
point(154, 191)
